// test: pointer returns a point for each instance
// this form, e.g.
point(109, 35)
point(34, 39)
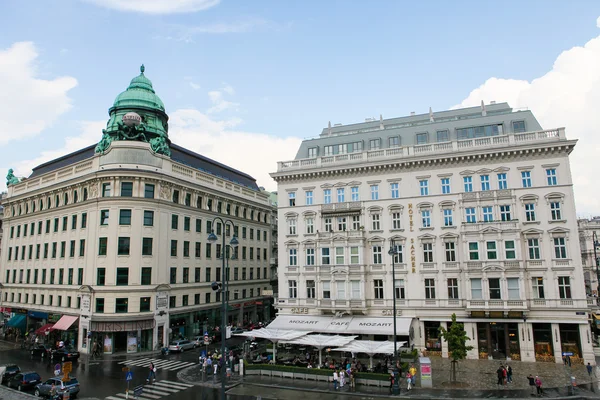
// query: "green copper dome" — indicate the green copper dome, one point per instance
point(140, 93)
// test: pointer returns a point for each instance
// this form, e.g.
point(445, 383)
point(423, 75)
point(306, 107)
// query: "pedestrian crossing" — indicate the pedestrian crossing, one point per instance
point(158, 363)
point(153, 391)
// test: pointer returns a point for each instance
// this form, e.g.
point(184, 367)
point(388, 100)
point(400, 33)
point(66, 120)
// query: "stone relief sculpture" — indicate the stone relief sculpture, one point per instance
point(165, 192)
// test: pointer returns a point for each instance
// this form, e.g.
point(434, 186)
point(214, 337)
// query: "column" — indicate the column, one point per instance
point(526, 342)
point(557, 344)
point(488, 333)
point(506, 341)
point(471, 329)
point(585, 338)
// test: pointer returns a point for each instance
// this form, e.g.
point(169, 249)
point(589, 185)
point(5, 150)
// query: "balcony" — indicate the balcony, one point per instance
point(497, 305)
point(545, 304)
point(478, 265)
point(347, 234)
point(345, 207)
point(479, 226)
point(417, 151)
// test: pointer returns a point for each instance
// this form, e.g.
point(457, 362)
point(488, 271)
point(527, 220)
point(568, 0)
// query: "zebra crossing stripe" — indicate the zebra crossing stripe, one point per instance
point(169, 385)
point(130, 361)
point(112, 398)
point(143, 397)
point(185, 385)
point(164, 387)
point(154, 391)
point(164, 364)
point(179, 367)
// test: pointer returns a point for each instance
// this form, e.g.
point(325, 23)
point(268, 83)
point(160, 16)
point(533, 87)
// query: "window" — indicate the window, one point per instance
point(394, 190)
point(485, 182)
point(71, 249)
point(339, 256)
point(148, 218)
point(426, 218)
point(537, 284)
point(176, 196)
point(64, 226)
point(125, 217)
point(421, 138)
point(396, 220)
point(473, 251)
point(555, 211)
point(341, 194)
point(326, 288)
point(488, 214)
point(312, 152)
point(292, 199)
point(377, 255)
point(355, 290)
point(103, 217)
point(560, 248)
point(424, 187)
point(99, 305)
point(122, 276)
point(327, 196)
point(509, 249)
point(450, 248)
point(126, 189)
point(551, 177)
point(291, 226)
point(443, 136)
point(495, 292)
point(356, 222)
point(293, 287)
point(123, 247)
point(374, 144)
point(73, 223)
point(341, 223)
point(445, 185)
point(325, 256)
point(354, 255)
point(505, 212)
point(428, 252)
point(378, 288)
point(468, 183)
point(470, 215)
point(393, 141)
point(448, 217)
point(492, 254)
point(309, 197)
point(375, 222)
point(564, 287)
point(512, 285)
point(452, 288)
point(374, 192)
point(148, 191)
point(146, 246)
point(533, 246)
point(101, 276)
point(121, 305)
point(429, 288)
point(293, 256)
point(173, 248)
point(479, 131)
point(309, 223)
point(328, 225)
point(341, 290)
point(502, 182)
point(102, 246)
point(354, 193)
point(174, 221)
point(310, 289)
point(518, 126)
point(530, 212)
point(526, 179)
point(476, 291)
point(105, 190)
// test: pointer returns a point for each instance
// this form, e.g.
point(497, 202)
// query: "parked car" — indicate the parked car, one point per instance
point(7, 371)
point(41, 350)
point(181, 345)
point(43, 389)
point(24, 380)
point(64, 354)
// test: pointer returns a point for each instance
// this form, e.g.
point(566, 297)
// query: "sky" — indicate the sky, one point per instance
point(244, 82)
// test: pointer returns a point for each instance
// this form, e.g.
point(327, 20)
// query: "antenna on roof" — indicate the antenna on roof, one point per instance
point(483, 111)
point(380, 121)
point(431, 115)
point(329, 128)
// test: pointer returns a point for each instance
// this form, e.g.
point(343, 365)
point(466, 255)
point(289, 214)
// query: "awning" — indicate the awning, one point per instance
point(64, 323)
point(44, 329)
point(344, 325)
point(18, 321)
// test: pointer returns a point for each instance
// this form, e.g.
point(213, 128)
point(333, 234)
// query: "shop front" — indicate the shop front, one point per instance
point(36, 320)
point(498, 340)
point(18, 321)
point(542, 341)
point(433, 338)
point(64, 329)
point(570, 342)
point(122, 336)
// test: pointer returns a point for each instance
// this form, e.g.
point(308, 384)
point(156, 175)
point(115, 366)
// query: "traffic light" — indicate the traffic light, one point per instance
point(217, 286)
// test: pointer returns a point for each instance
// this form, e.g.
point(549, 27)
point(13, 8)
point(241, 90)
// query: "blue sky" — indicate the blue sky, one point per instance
point(270, 72)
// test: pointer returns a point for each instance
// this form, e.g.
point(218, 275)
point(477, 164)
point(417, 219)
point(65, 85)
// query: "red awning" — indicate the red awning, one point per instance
point(64, 323)
point(44, 329)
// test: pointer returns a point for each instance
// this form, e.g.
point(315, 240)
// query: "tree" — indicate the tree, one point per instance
point(457, 338)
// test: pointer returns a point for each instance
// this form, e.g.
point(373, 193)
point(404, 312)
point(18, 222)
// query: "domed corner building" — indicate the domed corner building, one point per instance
point(109, 244)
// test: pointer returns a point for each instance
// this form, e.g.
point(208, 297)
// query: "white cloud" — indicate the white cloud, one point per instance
point(195, 86)
point(157, 6)
point(30, 104)
point(219, 103)
point(186, 33)
point(253, 153)
point(568, 95)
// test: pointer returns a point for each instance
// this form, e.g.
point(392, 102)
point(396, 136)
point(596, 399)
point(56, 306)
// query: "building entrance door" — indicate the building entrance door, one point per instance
point(498, 340)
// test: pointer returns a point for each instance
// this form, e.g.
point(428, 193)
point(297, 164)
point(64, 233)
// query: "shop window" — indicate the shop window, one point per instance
point(570, 339)
point(433, 340)
point(542, 339)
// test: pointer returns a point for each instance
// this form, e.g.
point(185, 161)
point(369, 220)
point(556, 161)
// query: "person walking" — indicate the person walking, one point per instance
point(353, 378)
point(335, 379)
point(152, 374)
point(531, 380)
point(342, 378)
point(538, 386)
point(413, 374)
point(589, 369)
point(500, 375)
point(408, 381)
point(509, 373)
point(391, 381)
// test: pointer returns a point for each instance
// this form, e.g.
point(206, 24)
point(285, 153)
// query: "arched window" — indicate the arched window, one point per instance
point(85, 194)
point(57, 201)
point(33, 206)
point(75, 196)
point(48, 204)
point(252, 215)
point(66, 199)
point(26, 208)
point(41, 204)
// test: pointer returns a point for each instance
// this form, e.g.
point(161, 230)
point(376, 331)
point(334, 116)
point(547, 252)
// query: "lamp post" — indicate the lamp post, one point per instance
point(393, 252)
point(595, 243)
point(221, 287)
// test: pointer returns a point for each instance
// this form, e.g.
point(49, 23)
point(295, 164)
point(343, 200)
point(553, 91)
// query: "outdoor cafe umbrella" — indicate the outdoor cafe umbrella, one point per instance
point(274, 336)
point(370, 347)
point(322, 341)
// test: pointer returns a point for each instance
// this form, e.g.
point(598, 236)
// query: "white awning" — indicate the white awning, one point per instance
point(344, 325)
point(322, 341)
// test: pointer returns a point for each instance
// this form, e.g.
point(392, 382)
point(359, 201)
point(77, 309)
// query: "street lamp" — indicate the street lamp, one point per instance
point(221, 287)
point(597, 261)
point(393, 252)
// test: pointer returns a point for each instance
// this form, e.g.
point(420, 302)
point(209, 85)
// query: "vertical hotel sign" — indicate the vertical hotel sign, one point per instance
point(413, 260)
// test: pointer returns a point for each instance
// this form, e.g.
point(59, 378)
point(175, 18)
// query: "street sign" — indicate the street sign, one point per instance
point(567, 353)
point(206, 340)
point(129, 376)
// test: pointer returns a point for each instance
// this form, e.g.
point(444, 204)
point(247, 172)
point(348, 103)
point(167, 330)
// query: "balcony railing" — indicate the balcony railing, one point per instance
point(478, 226)
point(497, 304)
point(406, 152)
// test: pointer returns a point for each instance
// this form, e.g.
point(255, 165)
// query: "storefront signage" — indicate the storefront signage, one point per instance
point(19, 311)
point(85, 303)
point(53, 318)
point(391, 312)
point(299, 310)
point(250, 303)
point(413, 258)
point(161, 301)
point(5, 309)
point(126, 326)
point(38, 314)
point(410, 217)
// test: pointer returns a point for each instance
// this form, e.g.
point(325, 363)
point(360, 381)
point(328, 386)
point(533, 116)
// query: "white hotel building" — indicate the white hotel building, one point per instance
point(479, 204)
